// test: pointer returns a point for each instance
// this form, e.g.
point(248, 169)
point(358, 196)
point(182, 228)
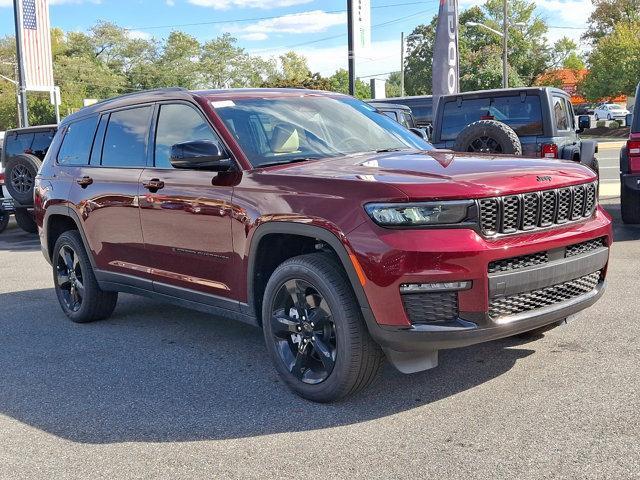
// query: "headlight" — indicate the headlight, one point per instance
point(420, 214)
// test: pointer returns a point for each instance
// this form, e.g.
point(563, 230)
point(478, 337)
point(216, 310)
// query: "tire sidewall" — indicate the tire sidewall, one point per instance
point(25, 220)
point(325, 288)
point(500, 132)
point(73, 240)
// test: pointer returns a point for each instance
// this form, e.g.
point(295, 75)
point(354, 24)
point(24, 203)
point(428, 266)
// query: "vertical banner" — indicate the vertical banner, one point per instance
point(445, 71)
point(361, 16)
point(35, 37)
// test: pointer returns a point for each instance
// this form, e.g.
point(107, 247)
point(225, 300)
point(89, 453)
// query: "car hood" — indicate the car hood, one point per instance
point(445, 174)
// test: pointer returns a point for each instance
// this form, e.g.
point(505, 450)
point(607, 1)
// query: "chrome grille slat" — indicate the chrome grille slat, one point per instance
point(543, 209)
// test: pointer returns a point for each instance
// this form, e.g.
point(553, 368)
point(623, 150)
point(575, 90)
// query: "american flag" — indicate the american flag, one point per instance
point(36, 44)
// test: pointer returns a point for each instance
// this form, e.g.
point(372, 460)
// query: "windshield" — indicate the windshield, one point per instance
point(615, 107)
point(288, 129)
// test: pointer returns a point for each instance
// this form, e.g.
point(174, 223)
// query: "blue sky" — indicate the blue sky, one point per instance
point(271, 27)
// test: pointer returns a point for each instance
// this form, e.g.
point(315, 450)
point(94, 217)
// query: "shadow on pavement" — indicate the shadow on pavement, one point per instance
point(621, 232)
point(158, 373)
point(14, 239)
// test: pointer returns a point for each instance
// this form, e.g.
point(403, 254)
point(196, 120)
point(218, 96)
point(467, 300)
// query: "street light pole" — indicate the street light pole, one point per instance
point(350, 41)
point(505, 35)
point(402, 64)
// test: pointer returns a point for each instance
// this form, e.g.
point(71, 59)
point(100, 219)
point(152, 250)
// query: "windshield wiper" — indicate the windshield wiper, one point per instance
point(285, 162)
point(386, 150)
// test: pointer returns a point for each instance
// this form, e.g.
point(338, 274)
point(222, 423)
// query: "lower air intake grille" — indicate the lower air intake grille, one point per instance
point(514, 263)
point(423, 308)
point(544, 297)
point(584, 247)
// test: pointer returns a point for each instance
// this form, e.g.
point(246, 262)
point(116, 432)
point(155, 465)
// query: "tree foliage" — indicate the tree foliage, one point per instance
point(609, 13)
point(614, 63)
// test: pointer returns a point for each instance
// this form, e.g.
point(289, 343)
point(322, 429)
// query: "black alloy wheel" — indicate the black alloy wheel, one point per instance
point(303, 331)
point(21, 178)
point(69, 278)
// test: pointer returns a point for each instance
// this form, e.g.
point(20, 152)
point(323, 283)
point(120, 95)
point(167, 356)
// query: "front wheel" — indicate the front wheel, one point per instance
point(314, 330)
point(76, 287)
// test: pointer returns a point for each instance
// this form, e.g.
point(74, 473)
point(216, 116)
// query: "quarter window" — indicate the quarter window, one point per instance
point(178, 123)
point(77, 141)
point(560, 113)
point(125, 141)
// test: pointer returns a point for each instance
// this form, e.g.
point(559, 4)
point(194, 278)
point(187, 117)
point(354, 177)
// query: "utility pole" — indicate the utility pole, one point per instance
point(402, 64)
point(22, 88)
point(505, 34)
point(352, 59)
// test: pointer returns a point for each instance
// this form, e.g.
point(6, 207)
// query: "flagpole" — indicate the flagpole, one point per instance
point(350, 46)
point(22, 88)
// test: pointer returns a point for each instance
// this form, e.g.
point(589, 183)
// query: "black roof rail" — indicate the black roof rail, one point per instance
point(141, 92)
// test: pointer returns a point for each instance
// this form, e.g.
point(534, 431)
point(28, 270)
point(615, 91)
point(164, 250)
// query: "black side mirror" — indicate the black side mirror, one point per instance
point(421, 132)
point(584, 122)
point(200, 154)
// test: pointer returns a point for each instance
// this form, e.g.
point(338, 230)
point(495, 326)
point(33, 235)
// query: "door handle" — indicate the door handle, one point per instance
point(85, 181)
point(153, 185)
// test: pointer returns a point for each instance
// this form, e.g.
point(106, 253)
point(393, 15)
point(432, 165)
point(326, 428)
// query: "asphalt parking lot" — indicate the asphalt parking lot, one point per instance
point(161, 392)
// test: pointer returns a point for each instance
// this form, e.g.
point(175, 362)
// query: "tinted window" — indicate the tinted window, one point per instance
point(77, 141)
point(177, 124)
point(96, 150)
point(391, 115)
point(17, 144)
point(126, 138)
point(41, 142)
point(523, 115)
point(560, 113)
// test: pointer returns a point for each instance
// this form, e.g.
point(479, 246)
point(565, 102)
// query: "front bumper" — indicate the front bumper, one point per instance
point(395, 257)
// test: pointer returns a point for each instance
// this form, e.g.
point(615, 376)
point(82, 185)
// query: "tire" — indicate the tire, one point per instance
point(629, 205)
point(88, 303)
point(4, 220)
point(25, 220)
point(20, 174)
point(353, 360)
point(488, 136)
point(609, 117)
point(595, 115)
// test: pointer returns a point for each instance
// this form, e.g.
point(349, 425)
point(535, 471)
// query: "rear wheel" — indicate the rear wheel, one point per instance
point(488, 136)
point(78, 292)
point(25, 220)
point(314, 330)
point(629, 204)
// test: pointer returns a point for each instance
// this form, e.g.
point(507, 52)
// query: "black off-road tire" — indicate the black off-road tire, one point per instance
point(20, 174)
point(25, 220)
point(629, 204)
point(4, 220)
point(358, 358)
point(487, 137)
point(96, 304)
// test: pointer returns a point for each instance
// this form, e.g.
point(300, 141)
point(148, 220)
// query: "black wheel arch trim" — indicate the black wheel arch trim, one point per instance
point(65, 211)
point(309, 231)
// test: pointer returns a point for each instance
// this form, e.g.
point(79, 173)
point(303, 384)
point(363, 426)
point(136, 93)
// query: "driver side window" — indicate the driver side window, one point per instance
point(178, 123)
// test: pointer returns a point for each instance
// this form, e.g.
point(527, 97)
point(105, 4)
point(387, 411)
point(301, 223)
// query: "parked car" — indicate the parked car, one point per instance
point(401, 114)
point(630, 169)
point(421, 108)
point(611, 111)
point(23, 150)
point(534, 122)
point(584, 108)
point(340, 233)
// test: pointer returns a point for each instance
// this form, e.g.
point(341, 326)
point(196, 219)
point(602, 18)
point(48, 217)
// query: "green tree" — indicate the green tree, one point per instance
point(564, 54)
point(609, 13)
point(614, 63)
point(339, 82)
point(393, 85)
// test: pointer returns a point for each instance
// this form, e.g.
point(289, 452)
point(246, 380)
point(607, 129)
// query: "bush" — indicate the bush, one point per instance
point(601, 123)
point(614, 124)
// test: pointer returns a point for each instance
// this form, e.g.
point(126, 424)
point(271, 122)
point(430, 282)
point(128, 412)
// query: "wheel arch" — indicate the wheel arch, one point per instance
point(57, 220)
point(309, 233)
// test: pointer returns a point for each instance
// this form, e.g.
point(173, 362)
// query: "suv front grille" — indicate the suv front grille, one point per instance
point(544, 297)
point(423, 308)
point(515, 263)
point(584, 247)
point(513, 213)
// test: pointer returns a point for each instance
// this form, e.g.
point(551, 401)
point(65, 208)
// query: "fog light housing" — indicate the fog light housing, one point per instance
point(434, 287)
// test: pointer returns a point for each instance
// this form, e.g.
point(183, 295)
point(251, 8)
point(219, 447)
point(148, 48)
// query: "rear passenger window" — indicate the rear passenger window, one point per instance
point(77, 141)
point(560, 113)
point(125, 141)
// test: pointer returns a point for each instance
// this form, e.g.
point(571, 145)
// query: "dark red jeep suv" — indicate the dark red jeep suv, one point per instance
point(344, 236)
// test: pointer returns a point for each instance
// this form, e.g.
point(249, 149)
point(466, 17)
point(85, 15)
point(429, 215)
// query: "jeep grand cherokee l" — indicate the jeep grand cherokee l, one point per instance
point(344, 236)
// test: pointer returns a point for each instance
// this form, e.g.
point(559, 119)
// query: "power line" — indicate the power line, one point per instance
point(257, 19)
